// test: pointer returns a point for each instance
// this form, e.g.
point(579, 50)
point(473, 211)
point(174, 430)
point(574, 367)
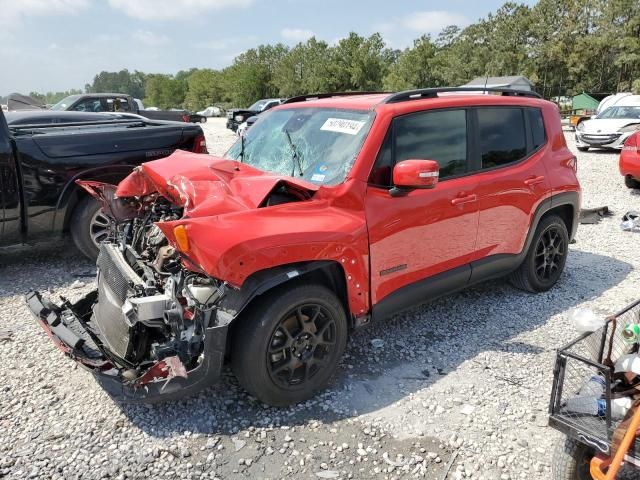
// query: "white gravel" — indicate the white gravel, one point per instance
point(470, 373)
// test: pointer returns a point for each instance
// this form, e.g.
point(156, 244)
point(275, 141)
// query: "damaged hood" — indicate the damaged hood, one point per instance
point(205, 185)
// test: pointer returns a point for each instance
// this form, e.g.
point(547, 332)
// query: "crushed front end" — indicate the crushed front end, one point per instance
point(150, 331)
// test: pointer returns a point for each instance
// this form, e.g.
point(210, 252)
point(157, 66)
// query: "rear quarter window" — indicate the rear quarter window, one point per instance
point(536, 124)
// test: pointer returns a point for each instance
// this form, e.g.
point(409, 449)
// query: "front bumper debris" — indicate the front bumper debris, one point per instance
point(69, 327)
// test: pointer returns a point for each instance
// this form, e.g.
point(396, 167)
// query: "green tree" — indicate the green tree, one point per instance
point(204, 88)
point(119, 82)
point(164, 91)
point(304, 69)
point(414, 67)
point(360, 64)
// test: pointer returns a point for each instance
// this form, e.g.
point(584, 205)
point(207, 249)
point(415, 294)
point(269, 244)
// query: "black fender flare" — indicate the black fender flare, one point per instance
point(235, 301)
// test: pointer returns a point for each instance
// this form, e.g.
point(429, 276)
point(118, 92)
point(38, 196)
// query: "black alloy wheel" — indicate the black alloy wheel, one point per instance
point(288, 343)
point(551, 251)
point(301, 345)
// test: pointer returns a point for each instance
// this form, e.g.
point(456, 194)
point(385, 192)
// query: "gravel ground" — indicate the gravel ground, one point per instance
point(464, 379)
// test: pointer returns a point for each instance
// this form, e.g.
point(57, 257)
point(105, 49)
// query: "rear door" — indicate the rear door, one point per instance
point(425, 232)
point(512, 179)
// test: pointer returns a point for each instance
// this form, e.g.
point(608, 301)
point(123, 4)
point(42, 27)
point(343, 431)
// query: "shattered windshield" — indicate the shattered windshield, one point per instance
point(316, 144)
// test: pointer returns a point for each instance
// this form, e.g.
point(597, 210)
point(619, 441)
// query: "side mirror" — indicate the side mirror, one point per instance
point(413, 174)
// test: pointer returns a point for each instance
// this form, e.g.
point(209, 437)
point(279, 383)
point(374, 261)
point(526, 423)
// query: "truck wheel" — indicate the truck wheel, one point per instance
point(89, 227)
point(571, 460)
point(546, 257)
point(631, 182)
point(289, 343)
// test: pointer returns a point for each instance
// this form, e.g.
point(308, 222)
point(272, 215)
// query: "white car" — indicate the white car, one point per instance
point(212, 112)
point(609, 129)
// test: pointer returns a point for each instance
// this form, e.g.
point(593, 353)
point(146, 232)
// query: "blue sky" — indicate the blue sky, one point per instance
point(48, 45)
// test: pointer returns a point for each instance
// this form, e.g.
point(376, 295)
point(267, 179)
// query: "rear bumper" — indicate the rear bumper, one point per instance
point(71, 335)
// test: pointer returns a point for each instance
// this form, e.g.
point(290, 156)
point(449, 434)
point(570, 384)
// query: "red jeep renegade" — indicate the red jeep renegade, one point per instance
point(331, 211)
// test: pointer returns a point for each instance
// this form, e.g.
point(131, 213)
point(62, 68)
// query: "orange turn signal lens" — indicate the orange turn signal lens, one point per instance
point(181, 238)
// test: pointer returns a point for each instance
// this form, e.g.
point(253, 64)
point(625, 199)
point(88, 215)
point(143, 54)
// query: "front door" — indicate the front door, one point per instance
point(425, 232)
point(10, 224)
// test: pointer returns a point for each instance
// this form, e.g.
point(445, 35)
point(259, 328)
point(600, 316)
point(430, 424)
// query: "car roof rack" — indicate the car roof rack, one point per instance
point(318, 96)
point(433, 93)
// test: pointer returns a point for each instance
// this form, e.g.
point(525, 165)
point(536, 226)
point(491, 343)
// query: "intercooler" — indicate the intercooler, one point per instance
point(115, 280)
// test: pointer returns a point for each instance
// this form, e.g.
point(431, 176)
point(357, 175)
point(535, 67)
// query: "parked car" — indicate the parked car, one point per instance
point(237, 116)
point(630, 160)
point(609, 129)
point(119, 103)
point(41, 161)
point(328, 214)
point(246, 125)
point(212, 112)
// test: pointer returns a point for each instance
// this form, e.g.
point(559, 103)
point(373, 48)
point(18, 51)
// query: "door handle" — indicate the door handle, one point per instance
point(534, 180)
point(466, 199)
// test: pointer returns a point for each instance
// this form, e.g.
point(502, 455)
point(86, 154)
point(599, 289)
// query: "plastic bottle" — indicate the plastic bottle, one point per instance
point(588, 405)
point(620, 407)
point(589, 398)
point(594, 387)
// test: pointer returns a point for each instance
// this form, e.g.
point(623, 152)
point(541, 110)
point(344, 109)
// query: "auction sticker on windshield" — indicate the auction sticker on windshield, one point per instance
point(341, 125)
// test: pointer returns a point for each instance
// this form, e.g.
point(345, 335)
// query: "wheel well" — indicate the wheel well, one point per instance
point(330, 275)
point(77, 196)
point(566, 213)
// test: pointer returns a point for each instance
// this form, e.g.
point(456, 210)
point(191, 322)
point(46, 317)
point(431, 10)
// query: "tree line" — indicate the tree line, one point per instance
point(563, 46)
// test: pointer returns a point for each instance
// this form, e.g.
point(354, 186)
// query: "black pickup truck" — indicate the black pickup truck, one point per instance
point(122, 103)
point(40, 163)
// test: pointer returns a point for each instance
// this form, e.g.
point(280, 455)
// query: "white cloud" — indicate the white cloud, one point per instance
point(12, 11)
point(172, 9)
point(433, 21)
point(149, 38)
point(296, 34)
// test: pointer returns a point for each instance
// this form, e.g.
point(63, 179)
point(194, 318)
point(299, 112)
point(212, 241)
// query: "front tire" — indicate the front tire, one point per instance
point(571, 460)
point(89, 226)
point(631, 182)
point(546, 258)
point(288, 344)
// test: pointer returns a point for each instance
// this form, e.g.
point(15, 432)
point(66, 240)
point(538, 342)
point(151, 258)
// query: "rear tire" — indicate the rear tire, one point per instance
point(583, 149)
point(571, 460)
point(88, 227)
point(288, 343)
point(546, 258)
point(631, 182)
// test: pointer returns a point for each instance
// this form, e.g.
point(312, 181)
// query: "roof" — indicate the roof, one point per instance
point(370, 101)
point(507, 81)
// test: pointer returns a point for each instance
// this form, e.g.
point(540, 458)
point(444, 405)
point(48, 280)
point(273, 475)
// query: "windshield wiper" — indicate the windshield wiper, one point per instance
point(241, 154)
point(294, 154)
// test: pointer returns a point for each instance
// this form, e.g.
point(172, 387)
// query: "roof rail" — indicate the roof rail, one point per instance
point(433, 93)
point(318, 96)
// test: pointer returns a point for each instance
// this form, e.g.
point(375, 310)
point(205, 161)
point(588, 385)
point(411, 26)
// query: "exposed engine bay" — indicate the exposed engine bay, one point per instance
point(157, 323)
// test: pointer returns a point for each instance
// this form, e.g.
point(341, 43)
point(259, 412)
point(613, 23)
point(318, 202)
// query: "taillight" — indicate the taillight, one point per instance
point(200, 145)
point(573, 163)
point(185, 118)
